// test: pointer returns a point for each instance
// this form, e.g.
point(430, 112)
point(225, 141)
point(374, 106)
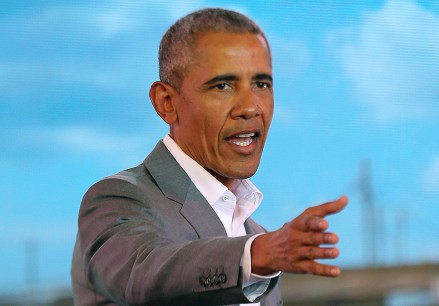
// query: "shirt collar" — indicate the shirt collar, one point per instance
point(206, 183)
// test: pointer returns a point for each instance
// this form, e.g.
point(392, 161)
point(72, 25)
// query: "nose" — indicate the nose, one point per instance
point(246, 106)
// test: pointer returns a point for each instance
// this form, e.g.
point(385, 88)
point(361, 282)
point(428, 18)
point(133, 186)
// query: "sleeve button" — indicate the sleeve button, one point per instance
point(215, 280)
point(222, 278)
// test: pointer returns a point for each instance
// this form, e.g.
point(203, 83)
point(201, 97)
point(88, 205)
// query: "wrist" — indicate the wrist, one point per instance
point(261, 257)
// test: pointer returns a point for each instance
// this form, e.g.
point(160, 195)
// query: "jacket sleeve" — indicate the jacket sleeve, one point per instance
point(137, 249)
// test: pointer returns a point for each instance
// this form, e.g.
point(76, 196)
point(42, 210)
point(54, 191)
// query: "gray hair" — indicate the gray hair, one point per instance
point(175, 52)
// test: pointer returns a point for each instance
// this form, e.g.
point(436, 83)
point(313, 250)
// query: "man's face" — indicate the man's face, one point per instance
point(225, 104)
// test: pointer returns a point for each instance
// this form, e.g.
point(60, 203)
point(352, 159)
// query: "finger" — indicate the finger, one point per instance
point(312, 252)
point(313, 267)
point(323, 270)
point(310, 223)
point(317, 238)
point(328, 208)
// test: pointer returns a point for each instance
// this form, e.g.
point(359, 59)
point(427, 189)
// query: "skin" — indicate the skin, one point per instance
point(297, 245)
point(227, 91)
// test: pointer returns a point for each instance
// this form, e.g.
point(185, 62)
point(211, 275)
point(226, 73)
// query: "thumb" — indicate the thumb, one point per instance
point(328, 208)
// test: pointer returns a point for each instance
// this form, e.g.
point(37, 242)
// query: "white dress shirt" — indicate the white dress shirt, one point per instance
point(233, 208)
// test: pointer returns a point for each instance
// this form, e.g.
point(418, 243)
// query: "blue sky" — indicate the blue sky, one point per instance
point(354, 82)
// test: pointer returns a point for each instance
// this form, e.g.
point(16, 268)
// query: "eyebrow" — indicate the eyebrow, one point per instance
point(262, 77)
point(222, 78)
point(232, 77)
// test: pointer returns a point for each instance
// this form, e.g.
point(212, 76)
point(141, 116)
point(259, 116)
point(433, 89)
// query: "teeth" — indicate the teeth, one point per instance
point(243, 140)
point(243, 143)
point(246, 135)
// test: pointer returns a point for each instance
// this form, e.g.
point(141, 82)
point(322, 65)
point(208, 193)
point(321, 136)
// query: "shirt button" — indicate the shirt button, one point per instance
point(226, 198)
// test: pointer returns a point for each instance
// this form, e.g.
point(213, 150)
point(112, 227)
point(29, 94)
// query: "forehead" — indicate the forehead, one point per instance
point(231, 50)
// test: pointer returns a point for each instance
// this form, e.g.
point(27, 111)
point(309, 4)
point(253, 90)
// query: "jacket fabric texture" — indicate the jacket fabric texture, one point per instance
point(146, 236)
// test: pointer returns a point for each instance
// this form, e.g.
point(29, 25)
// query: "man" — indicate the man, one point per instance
point(176, 230)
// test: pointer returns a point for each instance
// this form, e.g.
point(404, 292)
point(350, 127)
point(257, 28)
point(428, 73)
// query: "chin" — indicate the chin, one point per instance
point(245, 173)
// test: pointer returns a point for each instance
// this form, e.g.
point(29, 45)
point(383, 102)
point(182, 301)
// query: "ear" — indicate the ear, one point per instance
point(162, 95)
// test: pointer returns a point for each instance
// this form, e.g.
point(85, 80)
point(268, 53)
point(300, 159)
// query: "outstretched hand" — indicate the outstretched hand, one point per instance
point(298, 244)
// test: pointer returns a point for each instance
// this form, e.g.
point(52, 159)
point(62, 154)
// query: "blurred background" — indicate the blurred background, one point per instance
point(356, 113)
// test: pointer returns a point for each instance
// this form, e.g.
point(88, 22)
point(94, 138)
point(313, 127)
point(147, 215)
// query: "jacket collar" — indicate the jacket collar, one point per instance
point(177, 186)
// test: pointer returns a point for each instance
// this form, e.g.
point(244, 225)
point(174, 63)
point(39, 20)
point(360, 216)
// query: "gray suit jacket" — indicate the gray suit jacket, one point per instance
point(147, 236)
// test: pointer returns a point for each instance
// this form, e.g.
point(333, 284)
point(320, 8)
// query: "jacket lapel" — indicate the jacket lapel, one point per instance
point(251, 227)
point(177, 186)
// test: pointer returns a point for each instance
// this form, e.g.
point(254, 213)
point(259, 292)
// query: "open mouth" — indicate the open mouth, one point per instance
point(244, 139)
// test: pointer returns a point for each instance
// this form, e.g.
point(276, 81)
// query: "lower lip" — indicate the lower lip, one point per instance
point(246, 150)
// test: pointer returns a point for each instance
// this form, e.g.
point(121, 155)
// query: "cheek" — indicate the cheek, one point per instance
point(268, 111)
point(216, 118)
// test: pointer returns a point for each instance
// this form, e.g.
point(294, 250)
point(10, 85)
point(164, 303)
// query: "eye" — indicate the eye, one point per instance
point(221, 86)
point(263, 85)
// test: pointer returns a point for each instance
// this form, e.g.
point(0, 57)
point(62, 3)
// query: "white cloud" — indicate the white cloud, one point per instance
point(67, 22)
point(85, 139)
point(106, 145)
point(25, 75)
point(392, 59)
point(106, 20)
point(55, 44)
point(292, 51)
point(70, 43)
point(430, 178)
point(114, 22)
point(296, 53)
point(89, 22)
